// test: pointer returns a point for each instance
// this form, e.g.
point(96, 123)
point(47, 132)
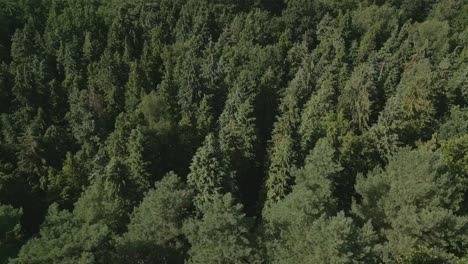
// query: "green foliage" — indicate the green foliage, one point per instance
point(64, 238)
point(356, 98)
point(408, 204)
point(314, 184)
point(10, 232)
point(105, 200)
point(221, 235)
point(209, 173)
point(302, 227)
point(455, 158)
point(136, 161)
point(424, 255)
point(456, 125)
point(67, 184)
point(155, 230)
point(284, 140)
point(283, 104)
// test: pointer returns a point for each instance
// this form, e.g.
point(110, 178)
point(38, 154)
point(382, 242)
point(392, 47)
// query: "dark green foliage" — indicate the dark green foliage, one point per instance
point(10, 232)
point(271, 113)
point(66, 185)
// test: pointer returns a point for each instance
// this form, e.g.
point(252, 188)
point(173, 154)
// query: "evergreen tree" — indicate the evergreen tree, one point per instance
point(284, 105)
point(356, 98)
point(10, 232)
point(155, 230)
point(408, 203)
point(302, 227)
point(65, 239)
point(221, 235)
point(209, 173)
point(106, 199)
point(66, 185)
point(238, 136)
point(136, 162)
point(284, 142)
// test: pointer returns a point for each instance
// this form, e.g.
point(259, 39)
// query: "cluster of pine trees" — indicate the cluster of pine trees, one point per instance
point(248, 131)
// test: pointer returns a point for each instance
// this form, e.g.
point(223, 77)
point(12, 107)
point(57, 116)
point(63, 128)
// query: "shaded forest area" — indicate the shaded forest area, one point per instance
point(250, 131)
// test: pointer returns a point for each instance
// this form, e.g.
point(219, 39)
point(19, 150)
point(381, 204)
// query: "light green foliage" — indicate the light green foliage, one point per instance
point(284, 142)
point(209, 173)
point(327, 240)
point(314, 184)
point(356, 98)
point(104, 201)
point(455, 159)
point(411, 110)
point(407, 203)
point(456, 125)
point(156, 109)
point(155, 230)
point(221, 235)
point(425, 255)
point(313, 116)
point(430, 38)
point(302, 229)
point(65, 239)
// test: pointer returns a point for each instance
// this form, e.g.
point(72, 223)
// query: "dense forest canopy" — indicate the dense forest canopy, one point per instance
point(249, 131)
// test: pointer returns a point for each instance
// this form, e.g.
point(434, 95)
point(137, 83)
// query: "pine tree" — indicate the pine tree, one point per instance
point(66, 185)
point(137, 164)
point(135, 87)
point(221, 235)
point(356, 98)
point(313, 116)
point(283, 152)
point(238, 136)
point(306, 215)
point(155, 230)
point(328, 240)
point(10, 231)
point(408, 204)
point(413, 104)
point(65, 239)
point(106, 199)
point(209, 173)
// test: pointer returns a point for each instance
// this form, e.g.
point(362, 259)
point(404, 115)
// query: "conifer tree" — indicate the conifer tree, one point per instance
point(306, 215)
point(209, 173)
point(155, 230)
point(66, 185)
point(284, 141)
point(238, 136)
point(356, 98)
point(10, 231)
point(221, 235)
point(64, 238)
point(138, 166)
point(407, 203)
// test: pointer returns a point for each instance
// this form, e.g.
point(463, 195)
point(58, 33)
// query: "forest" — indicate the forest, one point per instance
point(233, 131)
